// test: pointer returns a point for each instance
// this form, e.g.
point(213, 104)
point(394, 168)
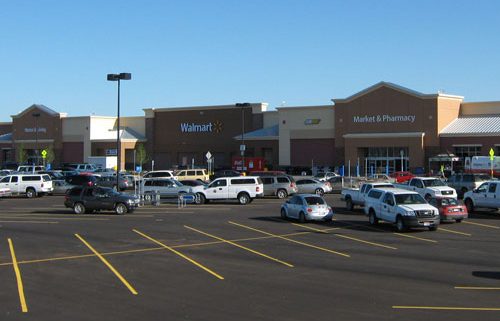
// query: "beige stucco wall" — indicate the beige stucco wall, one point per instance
point(271, 118)
point(480, 108)
point(292, 122)
point(448, 110)
point(77, 129)
point(138, 124)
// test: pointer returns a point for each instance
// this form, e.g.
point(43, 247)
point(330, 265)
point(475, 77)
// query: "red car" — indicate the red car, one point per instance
point(450, 209)
point(402, 177)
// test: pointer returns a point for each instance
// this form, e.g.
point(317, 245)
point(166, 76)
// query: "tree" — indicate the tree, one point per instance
point(141, 156)
point(21, 154)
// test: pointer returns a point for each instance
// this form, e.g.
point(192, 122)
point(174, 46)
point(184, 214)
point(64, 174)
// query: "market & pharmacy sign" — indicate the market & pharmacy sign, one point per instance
point(384, 119)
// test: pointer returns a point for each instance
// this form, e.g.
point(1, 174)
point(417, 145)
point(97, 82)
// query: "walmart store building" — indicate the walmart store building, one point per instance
point(382, 127)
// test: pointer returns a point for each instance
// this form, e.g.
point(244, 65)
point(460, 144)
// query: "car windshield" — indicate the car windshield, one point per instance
point(177, 183)
point(409, 199)
point(449, 201)
point(433, 182)
point(314, 200)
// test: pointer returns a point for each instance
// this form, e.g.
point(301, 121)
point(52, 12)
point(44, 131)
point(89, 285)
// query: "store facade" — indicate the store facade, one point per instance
point(383, 128)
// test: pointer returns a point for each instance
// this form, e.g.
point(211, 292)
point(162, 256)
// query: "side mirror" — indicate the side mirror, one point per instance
point(475, 190)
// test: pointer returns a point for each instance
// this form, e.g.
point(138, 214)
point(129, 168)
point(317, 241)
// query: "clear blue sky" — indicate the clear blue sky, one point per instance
point(190, 53)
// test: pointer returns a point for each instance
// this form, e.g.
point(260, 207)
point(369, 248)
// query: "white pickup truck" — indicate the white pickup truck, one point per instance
point(404, 208)
point(428, 187)
point(241, 188)
point(487, 195)
point(356, 196)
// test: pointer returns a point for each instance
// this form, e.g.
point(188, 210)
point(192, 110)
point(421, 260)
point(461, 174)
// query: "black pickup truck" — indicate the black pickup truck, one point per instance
point(84, 199)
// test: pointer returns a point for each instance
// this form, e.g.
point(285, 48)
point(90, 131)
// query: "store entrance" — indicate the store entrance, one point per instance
point(385, 160)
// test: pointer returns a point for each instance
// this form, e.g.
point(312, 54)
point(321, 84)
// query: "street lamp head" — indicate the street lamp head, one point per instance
point(120, 76)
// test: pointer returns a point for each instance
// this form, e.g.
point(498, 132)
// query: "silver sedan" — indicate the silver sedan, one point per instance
point(313, 186)
point(307, 207)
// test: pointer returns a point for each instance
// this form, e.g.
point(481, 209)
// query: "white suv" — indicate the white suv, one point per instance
point(160, 174)
point(242, 188)
point(31, 185)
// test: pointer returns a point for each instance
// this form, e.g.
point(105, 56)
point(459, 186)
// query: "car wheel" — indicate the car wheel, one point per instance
point(243, 198)
point(199, 199)
point(283, 214)
point(348, 204)
point(282, 193)
point(372, 217)
point(469, 205)
point(400, 225)
point(121, 209)
point(319, 191)
point(79, 208)
point(302, 217)
point(30, 193)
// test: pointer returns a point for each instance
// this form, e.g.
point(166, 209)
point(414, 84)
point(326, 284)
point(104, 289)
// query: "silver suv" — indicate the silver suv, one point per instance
point(280, 186)
point(465, 182)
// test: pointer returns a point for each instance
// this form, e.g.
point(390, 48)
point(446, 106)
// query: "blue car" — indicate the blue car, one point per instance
point(306, 207)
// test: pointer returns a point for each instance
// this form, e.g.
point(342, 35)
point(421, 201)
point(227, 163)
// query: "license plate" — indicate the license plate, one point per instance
point(427, 223)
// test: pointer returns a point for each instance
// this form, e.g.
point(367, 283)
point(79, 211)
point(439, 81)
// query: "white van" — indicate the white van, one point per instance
point(242, 188)
point(31, 185)
point(30, 168)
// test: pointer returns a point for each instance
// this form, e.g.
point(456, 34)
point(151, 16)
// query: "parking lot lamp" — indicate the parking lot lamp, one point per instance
point(36, 116)
point(118, 77)
point(242, 146)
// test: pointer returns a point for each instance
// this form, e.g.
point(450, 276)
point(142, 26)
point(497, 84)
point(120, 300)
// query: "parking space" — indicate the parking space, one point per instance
point(196, 260)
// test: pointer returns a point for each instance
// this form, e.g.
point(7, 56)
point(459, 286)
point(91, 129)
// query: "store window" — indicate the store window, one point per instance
point(468, 151)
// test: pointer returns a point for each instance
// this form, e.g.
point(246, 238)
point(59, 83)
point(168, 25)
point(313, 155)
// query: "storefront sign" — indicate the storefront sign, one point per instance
point(312, 121)
point(215, 126)
point(32, 130)
point(384, 119)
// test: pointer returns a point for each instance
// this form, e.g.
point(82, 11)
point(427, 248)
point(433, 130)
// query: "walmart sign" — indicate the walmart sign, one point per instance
point(210, 127)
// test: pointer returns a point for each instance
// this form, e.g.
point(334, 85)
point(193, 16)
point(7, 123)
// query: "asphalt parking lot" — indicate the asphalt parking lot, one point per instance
point(224, 261)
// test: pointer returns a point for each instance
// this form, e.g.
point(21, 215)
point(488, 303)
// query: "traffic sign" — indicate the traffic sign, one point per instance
point(492, 153)
point(208, 155)
point(44, 154)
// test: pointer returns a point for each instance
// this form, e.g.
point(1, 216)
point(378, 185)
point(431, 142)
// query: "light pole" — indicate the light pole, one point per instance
point(36, 116)
point(118, 77)
point(242, 146)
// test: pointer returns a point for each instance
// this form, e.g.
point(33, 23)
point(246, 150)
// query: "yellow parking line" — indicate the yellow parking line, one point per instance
point(118, 275)
point(476, 288)
point(291, 240)
point(311, 228)
point(400, 234)
point(416, 237)
point(455, 232)
point(240, 246)
point(30, 222)
point(53, 218)
point(444, 308)
point(180, 254)
point(479, 224)
point(347, 237)
point(74, 257)
point(20, 288)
